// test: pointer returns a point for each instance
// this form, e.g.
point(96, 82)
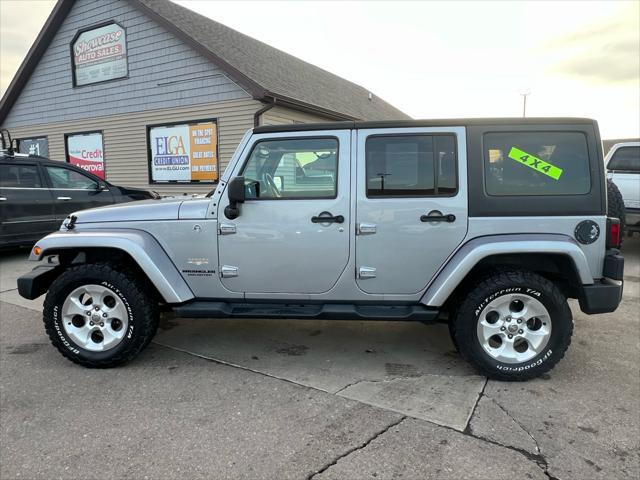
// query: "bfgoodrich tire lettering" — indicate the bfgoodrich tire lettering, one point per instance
point(517, 284)
point(141, 324)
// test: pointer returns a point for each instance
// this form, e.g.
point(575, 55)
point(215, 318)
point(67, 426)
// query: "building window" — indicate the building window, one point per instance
point(183, 152)
point(34, 146)
point(99, 54)
point(536, 163)
point(412, 165)
point(85, 150)
point(304, 168)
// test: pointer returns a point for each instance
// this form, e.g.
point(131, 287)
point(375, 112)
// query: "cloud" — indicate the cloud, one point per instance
point(607, 52)
point(20, 22)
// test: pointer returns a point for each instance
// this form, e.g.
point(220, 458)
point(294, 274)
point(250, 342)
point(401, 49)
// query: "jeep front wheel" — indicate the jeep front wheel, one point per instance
point(513, 325)
point(98, 316)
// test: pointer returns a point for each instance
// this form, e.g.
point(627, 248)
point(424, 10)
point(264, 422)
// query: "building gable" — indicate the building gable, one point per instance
point(164, 72)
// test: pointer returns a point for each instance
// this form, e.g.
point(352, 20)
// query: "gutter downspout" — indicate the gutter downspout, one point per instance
point(258, 114)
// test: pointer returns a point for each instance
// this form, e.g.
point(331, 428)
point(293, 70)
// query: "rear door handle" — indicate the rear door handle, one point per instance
point(326, 217)
point(65, 199)
point(449, 218)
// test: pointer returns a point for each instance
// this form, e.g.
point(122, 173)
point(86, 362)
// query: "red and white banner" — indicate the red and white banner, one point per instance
point(86, 152)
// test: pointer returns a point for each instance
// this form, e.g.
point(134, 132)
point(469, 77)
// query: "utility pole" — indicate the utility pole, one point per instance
point(524, 102)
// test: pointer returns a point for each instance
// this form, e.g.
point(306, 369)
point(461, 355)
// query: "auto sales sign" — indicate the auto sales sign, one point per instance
point(86, 151)
point(100, 54)
point(184, 153)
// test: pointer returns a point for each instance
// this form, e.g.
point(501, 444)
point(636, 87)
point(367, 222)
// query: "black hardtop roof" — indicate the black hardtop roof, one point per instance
point(450, 122)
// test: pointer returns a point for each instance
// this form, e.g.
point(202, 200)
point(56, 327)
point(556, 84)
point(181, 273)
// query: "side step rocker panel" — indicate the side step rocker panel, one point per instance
point(212, 309)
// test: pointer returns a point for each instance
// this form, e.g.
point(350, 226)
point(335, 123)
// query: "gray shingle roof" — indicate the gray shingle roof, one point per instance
point(269, 72)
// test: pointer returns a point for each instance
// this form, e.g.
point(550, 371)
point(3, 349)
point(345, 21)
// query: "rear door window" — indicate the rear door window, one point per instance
point(411, 165)
point(20, 176)
point(536, 163)
point(625, 159)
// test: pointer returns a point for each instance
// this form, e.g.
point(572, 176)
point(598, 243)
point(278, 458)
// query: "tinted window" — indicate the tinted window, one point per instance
point(293, 168)
point(410, 165)
point(536, 163)
point(66, 178)
point(23, 176)
point(625, 159)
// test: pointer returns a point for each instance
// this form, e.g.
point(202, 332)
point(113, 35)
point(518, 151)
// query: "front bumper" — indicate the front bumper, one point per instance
point(605, 295)
point(35, 283)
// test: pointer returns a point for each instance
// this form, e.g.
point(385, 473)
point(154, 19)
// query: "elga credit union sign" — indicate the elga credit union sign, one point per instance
point(184, 153)
point(86, 151)
point(99, 54)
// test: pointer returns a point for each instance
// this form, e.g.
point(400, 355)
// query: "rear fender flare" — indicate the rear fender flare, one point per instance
point(472, 252)
point(141, 246)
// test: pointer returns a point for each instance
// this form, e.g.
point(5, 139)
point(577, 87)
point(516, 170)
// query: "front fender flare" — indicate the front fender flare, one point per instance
point(472, 252)
point(141, 246)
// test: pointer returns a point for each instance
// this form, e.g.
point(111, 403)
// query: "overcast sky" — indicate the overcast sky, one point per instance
point(436, 59)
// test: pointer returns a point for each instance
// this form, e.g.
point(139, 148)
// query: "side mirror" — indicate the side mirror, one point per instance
point(236, 194)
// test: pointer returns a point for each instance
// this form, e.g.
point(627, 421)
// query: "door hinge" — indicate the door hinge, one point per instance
point(366, 272)
point(366, 229)
point(226, 228)
point(228, 271)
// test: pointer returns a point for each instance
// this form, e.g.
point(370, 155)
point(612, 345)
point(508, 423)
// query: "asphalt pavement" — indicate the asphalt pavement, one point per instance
point(284, 399)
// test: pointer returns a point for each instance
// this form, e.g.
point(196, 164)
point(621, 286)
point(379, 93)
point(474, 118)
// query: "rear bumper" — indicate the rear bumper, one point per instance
point(604, 295)
point(601, 297)
point(33, 284)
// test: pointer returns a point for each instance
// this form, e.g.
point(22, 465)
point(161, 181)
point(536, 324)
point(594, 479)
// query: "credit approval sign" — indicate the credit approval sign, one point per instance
point(85, 150)
point(100, 54)
point(186, 152)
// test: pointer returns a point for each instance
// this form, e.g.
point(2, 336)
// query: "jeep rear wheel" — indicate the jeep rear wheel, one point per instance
point(513, 325)
point(98, 316)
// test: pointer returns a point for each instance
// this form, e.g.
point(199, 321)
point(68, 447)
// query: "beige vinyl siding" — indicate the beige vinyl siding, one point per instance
point(284, 116)
point(125, 139)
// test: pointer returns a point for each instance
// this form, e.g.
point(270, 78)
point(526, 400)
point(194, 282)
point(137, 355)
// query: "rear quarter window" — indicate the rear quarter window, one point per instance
point(625, 159)
point(536, 163)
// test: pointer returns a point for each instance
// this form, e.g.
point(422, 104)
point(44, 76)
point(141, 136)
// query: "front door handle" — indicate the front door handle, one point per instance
point(449, 218)
point(326, 217)
point(64, 199)
point(3, 199)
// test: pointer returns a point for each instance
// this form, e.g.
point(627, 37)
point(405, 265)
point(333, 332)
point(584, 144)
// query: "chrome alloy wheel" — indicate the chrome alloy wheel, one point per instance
point(514, 328)
point(95, 318)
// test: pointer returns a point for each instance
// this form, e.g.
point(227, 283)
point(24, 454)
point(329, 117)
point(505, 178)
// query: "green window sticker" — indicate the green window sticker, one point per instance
point(536, 163)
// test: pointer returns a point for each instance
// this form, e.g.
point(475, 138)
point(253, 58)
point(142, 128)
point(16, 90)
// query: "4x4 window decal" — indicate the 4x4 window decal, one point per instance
point(535, 163)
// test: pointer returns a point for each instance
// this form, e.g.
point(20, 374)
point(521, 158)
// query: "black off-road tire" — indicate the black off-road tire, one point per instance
point(507, 282)
point(615, 206)
point(130, 288)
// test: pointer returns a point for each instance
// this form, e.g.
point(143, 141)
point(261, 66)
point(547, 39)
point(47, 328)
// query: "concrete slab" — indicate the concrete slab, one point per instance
point(166, 415)
point(491, 422)
point(13, 264)
point(374, 357)
point(418, 450)
point(445, 400)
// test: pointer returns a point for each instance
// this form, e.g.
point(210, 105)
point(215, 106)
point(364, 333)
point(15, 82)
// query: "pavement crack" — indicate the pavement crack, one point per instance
point(475, 405)
point(517, 422)
point(382, 380)
point(361, 446)
point(538, 458)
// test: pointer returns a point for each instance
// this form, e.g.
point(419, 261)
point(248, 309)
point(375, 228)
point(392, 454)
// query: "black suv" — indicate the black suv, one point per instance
point(37, 194)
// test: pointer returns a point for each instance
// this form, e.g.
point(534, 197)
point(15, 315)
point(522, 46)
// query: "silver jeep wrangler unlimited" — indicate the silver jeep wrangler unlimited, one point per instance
point(489, 225)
